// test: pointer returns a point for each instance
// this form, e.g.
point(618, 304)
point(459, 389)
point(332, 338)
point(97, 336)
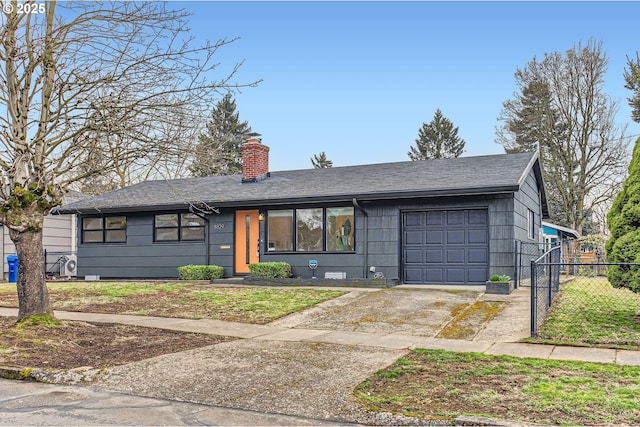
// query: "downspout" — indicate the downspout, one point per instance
point(206, 234)
point(366, 236)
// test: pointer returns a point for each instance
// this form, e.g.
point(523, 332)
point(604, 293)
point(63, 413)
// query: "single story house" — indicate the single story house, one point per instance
point(450, 221)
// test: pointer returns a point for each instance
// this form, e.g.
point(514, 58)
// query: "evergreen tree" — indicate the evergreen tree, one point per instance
point(437, 140)
point(632, 79)
point(219, 151)
point(531, 123)
point(319, 161)
point(624, 224)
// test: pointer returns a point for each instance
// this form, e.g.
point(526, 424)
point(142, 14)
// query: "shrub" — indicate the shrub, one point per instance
point(624, 223)
point(200, 272)
point(270, 270)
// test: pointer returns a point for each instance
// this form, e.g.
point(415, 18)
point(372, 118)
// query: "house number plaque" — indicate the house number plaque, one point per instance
point(218, 226)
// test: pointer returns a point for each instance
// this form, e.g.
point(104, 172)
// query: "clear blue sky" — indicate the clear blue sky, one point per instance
point(358, 79)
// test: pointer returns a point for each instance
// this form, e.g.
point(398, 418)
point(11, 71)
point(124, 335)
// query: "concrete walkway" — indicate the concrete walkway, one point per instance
point(394, 340)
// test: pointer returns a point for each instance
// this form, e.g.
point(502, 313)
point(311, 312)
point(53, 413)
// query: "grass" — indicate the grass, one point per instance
point(437, 384)
point(169, 299)
point(590, 312)
point(440, 385)
point(271, 303)
point(113, 289)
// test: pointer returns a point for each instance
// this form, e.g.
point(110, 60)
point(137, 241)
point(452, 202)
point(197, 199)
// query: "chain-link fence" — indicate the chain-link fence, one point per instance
point(575, 302)
point(525, 253)
point(545, 283)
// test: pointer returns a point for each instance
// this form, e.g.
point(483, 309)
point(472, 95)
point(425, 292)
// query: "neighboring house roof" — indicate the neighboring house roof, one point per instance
point(73, 196)
point(565, 230)
point(494, 174)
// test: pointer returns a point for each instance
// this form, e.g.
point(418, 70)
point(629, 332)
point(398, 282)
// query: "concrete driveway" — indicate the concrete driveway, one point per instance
point(314, 376)
point(424, 311)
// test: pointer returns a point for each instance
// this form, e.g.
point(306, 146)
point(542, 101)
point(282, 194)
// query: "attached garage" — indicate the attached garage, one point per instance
point(445, 246)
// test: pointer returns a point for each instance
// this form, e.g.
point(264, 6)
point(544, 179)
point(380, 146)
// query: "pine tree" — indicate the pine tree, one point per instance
point(319, 161)
point(632, 79)
point(531, 123)
point(219, 149)
point(437, 140)
point(624, 223)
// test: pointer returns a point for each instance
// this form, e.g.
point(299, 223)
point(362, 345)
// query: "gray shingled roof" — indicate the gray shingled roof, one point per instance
point(448, 177)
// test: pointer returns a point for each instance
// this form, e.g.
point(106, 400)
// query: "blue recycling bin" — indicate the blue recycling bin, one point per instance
point(12, 260)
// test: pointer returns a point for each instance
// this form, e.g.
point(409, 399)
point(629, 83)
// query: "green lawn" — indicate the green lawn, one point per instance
point(174, 299)
point(590, 312)
point(442, 385)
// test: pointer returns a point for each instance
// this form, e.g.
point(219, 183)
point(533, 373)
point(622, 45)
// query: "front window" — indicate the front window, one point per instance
point(110, 229)
point(178, 227)
point(280, 230)
point(191, 227)
point(115, 229)
point(166, 228)
point(311, 230)
point(340, 229)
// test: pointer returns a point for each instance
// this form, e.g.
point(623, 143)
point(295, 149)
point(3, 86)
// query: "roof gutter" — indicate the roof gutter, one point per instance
point(366, 236)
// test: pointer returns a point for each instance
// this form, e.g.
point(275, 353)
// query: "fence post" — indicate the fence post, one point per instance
point(534, 285)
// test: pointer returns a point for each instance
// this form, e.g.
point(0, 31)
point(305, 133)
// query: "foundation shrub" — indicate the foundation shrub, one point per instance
point(200, 272)
point(270, 270)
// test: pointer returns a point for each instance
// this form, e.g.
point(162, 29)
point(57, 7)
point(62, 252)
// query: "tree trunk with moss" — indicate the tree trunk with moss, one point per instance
point(33, 296)
point(25, 219)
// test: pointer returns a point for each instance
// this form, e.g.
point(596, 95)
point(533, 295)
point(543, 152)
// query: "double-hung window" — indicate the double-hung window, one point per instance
point(178, 227)
point(109, 229)
point(311, 230)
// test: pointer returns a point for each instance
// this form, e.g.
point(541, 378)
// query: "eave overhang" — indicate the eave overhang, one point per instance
point(302, 200)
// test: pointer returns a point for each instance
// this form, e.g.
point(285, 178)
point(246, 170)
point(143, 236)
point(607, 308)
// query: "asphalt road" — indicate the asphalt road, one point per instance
point(36, 404)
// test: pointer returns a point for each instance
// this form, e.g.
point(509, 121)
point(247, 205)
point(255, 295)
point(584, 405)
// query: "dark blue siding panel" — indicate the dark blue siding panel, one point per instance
point(412, 240)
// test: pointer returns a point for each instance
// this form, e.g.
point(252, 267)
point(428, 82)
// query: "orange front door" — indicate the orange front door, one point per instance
point(247, 240)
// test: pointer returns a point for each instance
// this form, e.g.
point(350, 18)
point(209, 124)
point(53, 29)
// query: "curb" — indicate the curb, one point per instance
point(14, 373)
point(464, 420)
point(52, 376)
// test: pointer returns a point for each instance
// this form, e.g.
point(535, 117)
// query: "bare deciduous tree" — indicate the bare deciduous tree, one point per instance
point(86, 76)
point(562, 107)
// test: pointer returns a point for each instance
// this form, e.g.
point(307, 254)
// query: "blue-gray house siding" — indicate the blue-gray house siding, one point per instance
point(506, 189)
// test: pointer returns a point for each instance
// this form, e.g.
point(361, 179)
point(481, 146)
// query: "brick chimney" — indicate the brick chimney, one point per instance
point(255, 161)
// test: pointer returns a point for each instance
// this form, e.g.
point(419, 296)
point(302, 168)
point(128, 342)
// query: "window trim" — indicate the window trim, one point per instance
point(178, 227)
point(294, 231)
point(104, 230)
